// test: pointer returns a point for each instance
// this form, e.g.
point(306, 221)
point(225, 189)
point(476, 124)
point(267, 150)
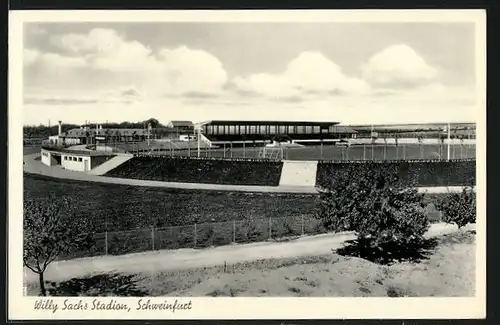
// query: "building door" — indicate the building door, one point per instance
point(86, 165)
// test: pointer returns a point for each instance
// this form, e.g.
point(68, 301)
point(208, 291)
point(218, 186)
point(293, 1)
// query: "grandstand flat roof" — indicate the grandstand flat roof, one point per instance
point(246, 122)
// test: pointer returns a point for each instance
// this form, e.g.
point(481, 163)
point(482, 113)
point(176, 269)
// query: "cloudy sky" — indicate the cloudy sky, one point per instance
point(346, 72)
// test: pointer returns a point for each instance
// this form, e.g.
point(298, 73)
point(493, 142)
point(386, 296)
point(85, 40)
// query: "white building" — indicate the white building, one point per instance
point(79, 161)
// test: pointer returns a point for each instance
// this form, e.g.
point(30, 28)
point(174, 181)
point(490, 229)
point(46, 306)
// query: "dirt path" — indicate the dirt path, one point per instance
point(36, 167)
point(190, 258)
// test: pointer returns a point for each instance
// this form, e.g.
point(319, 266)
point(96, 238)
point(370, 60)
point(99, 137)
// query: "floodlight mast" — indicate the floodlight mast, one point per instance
point(449, 141)
point(198, 139)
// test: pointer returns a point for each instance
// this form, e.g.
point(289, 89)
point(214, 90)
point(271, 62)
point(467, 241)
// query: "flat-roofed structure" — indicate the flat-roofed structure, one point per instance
point(234, 131)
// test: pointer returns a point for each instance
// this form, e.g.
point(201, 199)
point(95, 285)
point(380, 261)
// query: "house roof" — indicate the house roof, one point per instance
point(345, 129)
point(181, 123)
point(80, 133)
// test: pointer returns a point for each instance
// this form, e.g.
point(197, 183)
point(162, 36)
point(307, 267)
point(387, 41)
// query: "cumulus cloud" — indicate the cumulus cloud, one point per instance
point(51, 61)
point(189, 70)
point(106, 49)
point(104, 58)
point(398, 66)
point(308, 73)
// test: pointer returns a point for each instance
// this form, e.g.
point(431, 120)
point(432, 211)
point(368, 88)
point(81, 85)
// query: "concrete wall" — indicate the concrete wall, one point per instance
point(73, 162)
point(46, 158)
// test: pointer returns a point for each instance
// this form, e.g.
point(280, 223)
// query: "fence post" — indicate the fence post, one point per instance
point(153, 237)
point(194, 235)
point(106, 242)
point(234, 231)
point(302, 224)
point(270, 230)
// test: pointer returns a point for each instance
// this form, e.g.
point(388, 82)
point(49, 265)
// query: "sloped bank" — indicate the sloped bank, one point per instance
point(201, 170)
point(415, 173)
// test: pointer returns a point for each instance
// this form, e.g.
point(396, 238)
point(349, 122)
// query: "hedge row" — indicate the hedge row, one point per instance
point(410, 173)
point(264, 173)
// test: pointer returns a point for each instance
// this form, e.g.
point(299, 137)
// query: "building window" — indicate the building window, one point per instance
point(290, 129)
point(316, 130)
point(74, 158)
point(80, 159)
point(272, 129)
point(263, 129)
point(300, 129)
point(65, 158)
point(252, 129)
point(308, 129)
point(232, 129)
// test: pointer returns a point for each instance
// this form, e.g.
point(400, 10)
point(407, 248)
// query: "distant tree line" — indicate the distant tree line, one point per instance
point(44, 131)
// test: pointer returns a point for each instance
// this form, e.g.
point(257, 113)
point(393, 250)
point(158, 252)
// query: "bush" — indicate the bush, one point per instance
point(459, 208)
point(387, 218)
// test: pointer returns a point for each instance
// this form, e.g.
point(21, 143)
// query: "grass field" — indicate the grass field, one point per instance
point(144, 218)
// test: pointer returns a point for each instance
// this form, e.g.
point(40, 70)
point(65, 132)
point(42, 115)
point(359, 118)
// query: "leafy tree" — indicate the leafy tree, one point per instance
point(50, 232)
point(459, 208)
point(154, 123)
point(371, 201)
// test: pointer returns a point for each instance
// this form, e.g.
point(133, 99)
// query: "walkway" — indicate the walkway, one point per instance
point(165, 260)
point(36, 167)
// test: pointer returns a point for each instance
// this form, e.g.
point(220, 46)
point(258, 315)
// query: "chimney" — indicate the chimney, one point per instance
point(60, 128)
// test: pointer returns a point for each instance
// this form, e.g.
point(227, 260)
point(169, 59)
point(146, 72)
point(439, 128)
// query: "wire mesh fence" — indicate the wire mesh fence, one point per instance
point(366, 151)
point(208, 234)
point(199, 235)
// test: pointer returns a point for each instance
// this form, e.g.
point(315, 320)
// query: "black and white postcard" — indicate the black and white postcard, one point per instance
point(243, 164)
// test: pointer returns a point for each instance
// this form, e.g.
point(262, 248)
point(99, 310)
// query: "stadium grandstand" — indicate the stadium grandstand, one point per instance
point(238, 132)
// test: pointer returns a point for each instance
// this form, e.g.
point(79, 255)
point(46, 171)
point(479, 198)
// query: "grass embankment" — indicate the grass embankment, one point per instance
point(448, 270)
point(129, 213)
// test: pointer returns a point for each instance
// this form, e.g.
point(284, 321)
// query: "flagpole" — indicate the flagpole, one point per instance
point(449, 140)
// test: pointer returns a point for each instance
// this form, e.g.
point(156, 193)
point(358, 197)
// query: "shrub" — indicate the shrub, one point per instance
point(387, 218)
point(459, 208)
